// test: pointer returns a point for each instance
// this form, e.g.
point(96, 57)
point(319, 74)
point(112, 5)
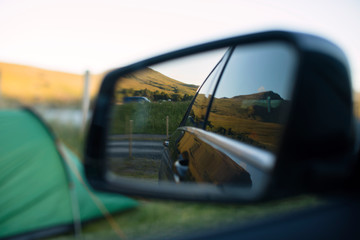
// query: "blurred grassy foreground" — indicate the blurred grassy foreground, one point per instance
point(166, 219)
point(155, 219)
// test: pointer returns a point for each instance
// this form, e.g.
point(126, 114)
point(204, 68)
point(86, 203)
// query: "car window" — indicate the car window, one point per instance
point(250, 105)
point(197, 113)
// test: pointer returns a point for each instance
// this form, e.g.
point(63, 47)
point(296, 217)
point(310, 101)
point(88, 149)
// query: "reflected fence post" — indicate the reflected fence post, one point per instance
point(167, 126)
point(130, 138)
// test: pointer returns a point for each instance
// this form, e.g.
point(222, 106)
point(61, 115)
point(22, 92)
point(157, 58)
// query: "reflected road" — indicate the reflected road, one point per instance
point(142, 146)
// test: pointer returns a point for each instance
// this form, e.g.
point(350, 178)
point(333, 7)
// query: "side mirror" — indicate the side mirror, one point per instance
point(238, 119)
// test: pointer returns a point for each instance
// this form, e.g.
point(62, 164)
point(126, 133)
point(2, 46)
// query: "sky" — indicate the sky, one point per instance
point(75, 36)
point(192, 69)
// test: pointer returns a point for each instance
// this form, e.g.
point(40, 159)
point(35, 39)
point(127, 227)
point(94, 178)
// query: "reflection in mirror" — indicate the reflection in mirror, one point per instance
point(149, 105)
point(253, 96)
point(196, 119)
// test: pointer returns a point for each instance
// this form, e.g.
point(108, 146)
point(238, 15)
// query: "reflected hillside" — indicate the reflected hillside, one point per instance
point(264, 106)
point(255, 119)
point(168, 99)
point(153, 85)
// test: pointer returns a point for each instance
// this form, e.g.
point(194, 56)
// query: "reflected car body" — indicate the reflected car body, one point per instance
point(226, 166)
point(196, 155)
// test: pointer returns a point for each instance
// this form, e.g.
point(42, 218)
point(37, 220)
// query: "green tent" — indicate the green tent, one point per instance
point(42, 186)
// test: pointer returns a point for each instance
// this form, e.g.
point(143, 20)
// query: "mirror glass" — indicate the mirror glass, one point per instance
point(215, 117)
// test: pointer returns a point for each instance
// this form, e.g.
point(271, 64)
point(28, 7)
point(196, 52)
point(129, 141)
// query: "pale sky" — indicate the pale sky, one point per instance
point(73, 36)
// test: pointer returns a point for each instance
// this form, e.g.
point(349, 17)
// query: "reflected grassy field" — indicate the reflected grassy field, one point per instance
point(261, 134)
point(149, 118)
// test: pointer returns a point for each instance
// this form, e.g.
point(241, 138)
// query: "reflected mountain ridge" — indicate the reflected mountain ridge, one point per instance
point(265, 106)
point(258, 96)
point(153, 80)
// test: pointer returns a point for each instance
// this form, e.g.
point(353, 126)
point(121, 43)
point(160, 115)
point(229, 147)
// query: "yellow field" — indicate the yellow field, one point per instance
point(357, 104)
point(264, 133)
point(30, 85)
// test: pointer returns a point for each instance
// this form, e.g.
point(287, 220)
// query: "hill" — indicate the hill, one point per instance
point(357, 104)
point(155, 81)
point(253, 106)
point(31, 85)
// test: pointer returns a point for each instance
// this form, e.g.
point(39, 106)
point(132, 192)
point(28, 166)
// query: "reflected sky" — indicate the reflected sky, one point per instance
point(191, 69)
point(259, 68)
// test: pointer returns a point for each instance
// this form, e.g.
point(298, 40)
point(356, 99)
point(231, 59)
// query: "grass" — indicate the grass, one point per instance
point(71, 135)
point(148, 118)
point(262, 134)
point(167, 219)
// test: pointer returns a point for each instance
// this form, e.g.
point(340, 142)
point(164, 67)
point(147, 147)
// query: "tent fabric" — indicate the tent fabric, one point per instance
point(40, 186)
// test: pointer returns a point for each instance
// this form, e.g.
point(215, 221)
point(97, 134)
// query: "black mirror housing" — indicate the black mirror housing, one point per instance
point(318, 143)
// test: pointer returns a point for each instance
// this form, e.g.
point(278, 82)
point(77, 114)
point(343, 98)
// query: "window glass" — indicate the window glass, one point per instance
point(198, 110)
point(254, 94)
